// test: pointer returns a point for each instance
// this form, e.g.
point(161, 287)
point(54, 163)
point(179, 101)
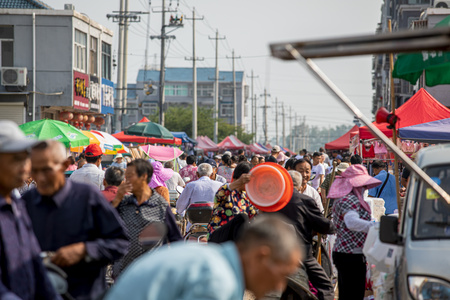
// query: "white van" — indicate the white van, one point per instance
point(423, 268)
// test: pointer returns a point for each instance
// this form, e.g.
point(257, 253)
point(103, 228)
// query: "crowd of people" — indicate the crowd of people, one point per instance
point(91, 221)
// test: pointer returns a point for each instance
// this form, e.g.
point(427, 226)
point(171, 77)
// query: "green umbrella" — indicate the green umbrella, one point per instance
point(149, 129)
point(47, 129)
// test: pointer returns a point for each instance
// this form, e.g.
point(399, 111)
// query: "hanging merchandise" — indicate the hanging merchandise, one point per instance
point(380, 150)
point(368, 150)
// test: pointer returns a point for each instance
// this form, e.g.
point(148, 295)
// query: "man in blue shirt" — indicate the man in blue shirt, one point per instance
point(73, 220)
point(266, 253)
point(22, 275)
point(387, 190)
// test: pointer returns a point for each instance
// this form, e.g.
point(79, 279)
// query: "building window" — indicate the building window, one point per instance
point(149, 109)
point(80, 51)
point(176, 90)
point(205, 90)
point(93, 56)
point(6, 46)
point(227, 91)
point(226, 110)
point(106, 60)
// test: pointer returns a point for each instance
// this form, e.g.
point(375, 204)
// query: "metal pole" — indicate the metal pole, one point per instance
point(255, 111)
point(276, 121)
point(194, 83)
point(162, 71)
point(284, 132)
point(124, 70)
point(253, 103)
point(234, 96)
point(290, 128)
point(34, 68)
point(216, 91)
point(340, 95)
point(119, 91)
point(394, 130)
point(266, 140)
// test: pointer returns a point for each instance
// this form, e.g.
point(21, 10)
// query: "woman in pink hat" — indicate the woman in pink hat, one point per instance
point(160, 175)
point(351, 216)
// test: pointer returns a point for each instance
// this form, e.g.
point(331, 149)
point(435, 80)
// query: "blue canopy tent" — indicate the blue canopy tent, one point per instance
point(435, 131)
point(184, 137)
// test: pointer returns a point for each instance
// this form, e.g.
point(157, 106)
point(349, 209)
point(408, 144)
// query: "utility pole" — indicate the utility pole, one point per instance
point(123, 17)
point(253, 109)
point(234, 94)
point(266, 140)
point(290, 128)
point(284, 132)
point(194, 76)
point(216, 88)
point(162, 72)
point(276, 120)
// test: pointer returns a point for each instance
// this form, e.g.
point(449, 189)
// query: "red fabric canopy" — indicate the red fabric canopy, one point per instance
point(342, 143)
point(144, 140)
point(255, 148)
point(231, 143)
point(420, 108)
point(205, 143)
point(144, 120)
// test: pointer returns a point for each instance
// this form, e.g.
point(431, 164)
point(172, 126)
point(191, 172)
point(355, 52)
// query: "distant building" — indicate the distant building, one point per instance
point(72, 58)
point(178, 91)
point(412, 15)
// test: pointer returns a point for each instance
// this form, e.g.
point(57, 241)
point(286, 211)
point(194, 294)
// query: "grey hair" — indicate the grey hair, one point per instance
point(114, 176)
point(272, 230)
point(57, 149)
point(204, 170)
point(296, 178)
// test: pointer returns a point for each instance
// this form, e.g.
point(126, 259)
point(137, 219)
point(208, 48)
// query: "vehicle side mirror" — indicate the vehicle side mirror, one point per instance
point(389, 230)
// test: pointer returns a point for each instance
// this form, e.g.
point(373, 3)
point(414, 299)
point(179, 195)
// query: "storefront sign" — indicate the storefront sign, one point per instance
point(107, 96)
point(80, 91)
point(94, 93)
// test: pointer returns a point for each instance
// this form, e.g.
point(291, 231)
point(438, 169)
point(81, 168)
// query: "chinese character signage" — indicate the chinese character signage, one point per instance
point(107, 96)
point(80, 91)
point(94, 93)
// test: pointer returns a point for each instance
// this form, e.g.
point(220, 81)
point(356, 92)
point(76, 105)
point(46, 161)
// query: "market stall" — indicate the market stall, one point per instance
point(231, 143)
point(343, 142)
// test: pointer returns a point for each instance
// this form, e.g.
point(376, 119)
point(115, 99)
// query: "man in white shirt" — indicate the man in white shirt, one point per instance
point(202, 190)
point(317, 170)
point(175, 180)
point(90, 172)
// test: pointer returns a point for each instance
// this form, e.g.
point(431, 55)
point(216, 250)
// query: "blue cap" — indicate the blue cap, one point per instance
point(212, 162)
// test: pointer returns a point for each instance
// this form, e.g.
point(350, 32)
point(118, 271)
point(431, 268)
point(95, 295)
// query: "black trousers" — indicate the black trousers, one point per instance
point(319, 278)
point(351, 275)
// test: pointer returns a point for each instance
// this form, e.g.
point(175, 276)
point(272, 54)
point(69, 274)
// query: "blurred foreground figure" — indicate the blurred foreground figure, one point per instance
point(22, 274)
point(264, 255)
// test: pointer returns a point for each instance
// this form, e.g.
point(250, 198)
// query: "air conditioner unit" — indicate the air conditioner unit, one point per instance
point(442, 3)
point(14, 76)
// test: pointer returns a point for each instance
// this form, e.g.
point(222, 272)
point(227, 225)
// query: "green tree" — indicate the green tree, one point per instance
point(179, 118)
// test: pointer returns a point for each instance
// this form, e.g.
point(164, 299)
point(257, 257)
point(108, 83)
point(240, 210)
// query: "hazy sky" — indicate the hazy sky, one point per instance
point(250, 26)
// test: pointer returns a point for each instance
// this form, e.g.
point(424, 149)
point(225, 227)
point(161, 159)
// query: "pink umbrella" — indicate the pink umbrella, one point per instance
point(161, 153)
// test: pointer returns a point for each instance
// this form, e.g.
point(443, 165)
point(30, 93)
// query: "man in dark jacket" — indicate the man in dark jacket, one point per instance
point(306, 217)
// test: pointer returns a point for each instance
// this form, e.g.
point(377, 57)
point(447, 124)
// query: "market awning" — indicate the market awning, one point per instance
point(184, 137)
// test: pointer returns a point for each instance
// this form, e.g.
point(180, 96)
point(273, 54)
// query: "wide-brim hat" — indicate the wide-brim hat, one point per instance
point(270, 187)
point(355, 176)
point(281, 157)
point(119, 155)
point(160, 175)
point(342, 167)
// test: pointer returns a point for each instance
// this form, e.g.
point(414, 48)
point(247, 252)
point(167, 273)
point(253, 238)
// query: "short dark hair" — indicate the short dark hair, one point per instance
point(92, 159)
point(303, 151)
point(168, 165)
point(316, 154)
point(241, 168)
point(356, 160)
point(183, 156)
point(142, 167)
point(378, 164)
point(290, 163)
point(321, 149)
point(270, 158)
point(114, 176)
point(234, 159)
point(300, 161)
point(345, 159)
point(226, 160)
point(261, 158)
point(190, 160)
point(241, 152)
point(242, 158)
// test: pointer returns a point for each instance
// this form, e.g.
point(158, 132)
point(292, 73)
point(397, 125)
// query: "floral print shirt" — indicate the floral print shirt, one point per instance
point(228, 204)
point(226, 172)
point(189, 171)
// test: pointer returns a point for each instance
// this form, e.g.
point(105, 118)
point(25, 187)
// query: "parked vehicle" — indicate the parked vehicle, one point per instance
point(423, 234)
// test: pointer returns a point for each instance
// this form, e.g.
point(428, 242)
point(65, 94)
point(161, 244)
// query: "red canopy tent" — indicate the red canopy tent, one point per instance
point(231, 143)
point(204, 144)
point(144, 140)
point(255, 148)
point(420, 108)
point(209, 141)
point(144, 119)
point(342, 143)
